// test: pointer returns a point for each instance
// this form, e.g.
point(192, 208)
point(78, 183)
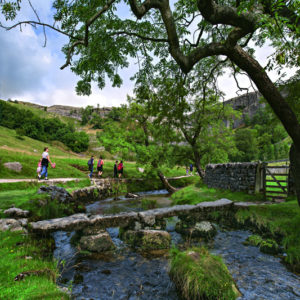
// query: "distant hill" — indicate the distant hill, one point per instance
point(63, 110)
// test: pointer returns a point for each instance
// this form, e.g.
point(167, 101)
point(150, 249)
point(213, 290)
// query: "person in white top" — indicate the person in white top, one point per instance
point(45, 162)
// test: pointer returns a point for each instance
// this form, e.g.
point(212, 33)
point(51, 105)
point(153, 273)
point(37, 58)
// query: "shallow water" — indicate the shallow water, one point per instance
point(126, 274)
point(112, 206)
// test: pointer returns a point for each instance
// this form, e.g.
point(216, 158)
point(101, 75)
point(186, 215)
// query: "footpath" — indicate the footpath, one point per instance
point(54, 180)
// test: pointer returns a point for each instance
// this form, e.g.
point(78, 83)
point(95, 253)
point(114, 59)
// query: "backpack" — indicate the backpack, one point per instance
point(90, 163)
point(120, 167)
point(100, 162)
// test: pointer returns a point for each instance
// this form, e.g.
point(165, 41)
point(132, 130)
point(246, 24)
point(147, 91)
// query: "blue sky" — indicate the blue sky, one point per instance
point(30, 72)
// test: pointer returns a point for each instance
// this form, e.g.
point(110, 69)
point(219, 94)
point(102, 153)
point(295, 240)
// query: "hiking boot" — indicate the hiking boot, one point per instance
point(46, 178)
point(39, 177)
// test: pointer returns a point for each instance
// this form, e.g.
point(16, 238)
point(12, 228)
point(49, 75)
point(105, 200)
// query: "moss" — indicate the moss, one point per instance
point(198, 274)
point(253, 240)
point(269, 246)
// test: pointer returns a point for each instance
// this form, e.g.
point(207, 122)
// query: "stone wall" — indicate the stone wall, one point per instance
point(232, 176)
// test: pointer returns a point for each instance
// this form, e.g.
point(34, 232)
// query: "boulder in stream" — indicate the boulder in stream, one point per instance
point(202, 229)
point(148, 239)
point(100, 242)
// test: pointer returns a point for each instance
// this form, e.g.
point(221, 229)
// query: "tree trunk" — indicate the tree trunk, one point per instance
point(166, 183)
point(280, 107)
point(197, 158)
point(295, 169)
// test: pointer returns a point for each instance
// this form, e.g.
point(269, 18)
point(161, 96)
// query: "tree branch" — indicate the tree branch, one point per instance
point(85, 40)
point(140, 36)
point(34, 23)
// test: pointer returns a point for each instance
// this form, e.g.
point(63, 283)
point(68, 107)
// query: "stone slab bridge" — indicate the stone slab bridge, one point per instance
point(148, 218)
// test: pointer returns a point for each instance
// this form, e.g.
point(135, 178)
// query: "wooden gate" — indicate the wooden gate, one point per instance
point(276, 180)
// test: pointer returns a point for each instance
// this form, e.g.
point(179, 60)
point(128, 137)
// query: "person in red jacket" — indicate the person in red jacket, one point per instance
point(120, 169)
point(100, 166)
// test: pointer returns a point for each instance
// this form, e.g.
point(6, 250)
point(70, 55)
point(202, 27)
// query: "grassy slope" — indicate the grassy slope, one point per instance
point(28, 153)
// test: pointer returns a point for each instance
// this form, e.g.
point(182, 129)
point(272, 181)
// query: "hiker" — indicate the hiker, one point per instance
point(44, 163)
point(91, 166)
point(100, 166)
point(191, 169)
point(39, 168)
point(187, 170)
point(120, 169)
point(116, 169)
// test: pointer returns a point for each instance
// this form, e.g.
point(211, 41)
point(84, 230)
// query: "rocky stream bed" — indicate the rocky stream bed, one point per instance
point(128, 274)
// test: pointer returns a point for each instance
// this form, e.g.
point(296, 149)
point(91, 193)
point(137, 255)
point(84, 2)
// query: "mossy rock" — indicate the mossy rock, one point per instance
point(198, 274)
point(269, 247)
point(203, 229)
point(147, 239)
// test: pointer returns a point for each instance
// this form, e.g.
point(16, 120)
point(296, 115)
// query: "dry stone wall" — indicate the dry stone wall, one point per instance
point(232, 176)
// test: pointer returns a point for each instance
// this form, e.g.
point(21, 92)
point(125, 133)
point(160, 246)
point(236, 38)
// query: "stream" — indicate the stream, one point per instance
point(125, 274)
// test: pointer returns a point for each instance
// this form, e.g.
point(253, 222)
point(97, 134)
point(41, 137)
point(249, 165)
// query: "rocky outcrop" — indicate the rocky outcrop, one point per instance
point(99, 242)
point(16, 213)
point(147, 239)
point(247, 104)
point(14, 166)
point(56, 193)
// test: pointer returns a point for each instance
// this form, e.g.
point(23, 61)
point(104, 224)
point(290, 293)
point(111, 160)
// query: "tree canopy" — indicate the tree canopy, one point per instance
point(102, 39)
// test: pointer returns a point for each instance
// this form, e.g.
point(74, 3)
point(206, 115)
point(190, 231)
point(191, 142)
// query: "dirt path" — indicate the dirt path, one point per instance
point(36, 180)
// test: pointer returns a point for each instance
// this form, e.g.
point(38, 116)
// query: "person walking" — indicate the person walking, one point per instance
point(116, 169)
point(100, 166)
point(45, 162)
point(187, 170)
point(191, 169)
point(91, 166)
point(120, 169)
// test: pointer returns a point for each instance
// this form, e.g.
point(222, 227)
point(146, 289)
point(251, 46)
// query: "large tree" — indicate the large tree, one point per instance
point(189, 103)
point(101, 39)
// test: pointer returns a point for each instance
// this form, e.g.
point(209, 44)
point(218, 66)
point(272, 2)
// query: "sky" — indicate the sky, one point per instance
point(30, 72)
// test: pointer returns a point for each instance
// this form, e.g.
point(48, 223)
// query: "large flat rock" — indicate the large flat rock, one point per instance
point(116, 220)
point(74, 222)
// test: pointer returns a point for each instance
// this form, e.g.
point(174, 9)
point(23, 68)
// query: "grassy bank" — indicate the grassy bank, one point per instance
point(20, 254)
point(198, 192)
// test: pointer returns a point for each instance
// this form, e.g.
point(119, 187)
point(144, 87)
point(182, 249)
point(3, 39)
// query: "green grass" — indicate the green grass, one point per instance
point(198, 274)
point(279, 220)
point(14, 247)
point(9, 140)
point(196, 193)
point(29, 199)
